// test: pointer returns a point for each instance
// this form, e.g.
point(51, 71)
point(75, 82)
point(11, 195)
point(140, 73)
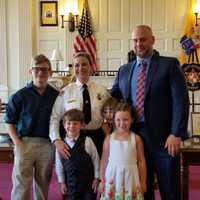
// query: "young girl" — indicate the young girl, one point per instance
point(107, 113)
point(123, 167)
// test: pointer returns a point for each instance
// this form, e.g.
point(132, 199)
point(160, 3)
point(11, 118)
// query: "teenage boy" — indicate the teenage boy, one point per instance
point(28, 115)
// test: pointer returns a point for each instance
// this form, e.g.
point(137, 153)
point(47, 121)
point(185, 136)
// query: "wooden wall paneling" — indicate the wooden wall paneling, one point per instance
point(180, 8)
point(46, 47)
point(113, 21)
point(136, 14)
point(114, 63)
point(115, 15)
point(158, 13)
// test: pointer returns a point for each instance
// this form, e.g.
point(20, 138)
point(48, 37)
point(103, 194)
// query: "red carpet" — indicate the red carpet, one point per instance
point(54, 192)
point(6, 184)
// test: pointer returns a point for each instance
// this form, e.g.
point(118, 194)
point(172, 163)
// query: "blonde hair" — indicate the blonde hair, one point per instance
point(83, 54)
point(144, 27)
point(125, 107)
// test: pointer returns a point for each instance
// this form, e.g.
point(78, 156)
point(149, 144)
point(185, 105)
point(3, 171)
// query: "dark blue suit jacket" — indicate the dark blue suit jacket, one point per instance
point(166, 104)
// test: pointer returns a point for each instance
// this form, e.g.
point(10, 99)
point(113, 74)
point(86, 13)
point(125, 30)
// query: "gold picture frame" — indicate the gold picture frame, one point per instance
point(195, 124)
point(49, 13)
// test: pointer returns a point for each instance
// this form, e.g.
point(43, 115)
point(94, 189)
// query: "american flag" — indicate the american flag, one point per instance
point(85, 40)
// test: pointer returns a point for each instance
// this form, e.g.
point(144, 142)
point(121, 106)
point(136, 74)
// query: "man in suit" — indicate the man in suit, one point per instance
point(156, 88)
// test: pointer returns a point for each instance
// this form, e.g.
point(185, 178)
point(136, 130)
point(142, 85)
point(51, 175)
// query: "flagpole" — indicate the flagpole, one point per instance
point(85, 8)
point(85, 3)
point(85, 41)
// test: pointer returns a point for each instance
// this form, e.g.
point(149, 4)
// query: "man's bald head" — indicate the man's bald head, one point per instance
point(144, 28)
point(143, 41)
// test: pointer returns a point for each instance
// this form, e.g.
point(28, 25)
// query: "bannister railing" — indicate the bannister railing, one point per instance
point(97, 73)
point(105, 73)
point(61, 73)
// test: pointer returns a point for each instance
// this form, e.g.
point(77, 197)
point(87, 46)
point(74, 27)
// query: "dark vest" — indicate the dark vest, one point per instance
point(79, 170)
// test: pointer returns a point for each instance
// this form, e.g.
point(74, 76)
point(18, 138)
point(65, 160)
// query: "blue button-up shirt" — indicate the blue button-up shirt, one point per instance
point(30, 111)
point(134, 79)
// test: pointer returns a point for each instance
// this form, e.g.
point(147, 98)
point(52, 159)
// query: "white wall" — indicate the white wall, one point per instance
point(16, 45)
point(113, 20)
point(21, 35)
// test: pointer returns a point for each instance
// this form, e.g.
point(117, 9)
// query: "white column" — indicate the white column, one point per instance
point(19, 47)
point(25, 40)
point(3, 60)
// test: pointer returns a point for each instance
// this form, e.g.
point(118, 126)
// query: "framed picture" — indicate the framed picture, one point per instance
point(49, 13)
point(195, 120)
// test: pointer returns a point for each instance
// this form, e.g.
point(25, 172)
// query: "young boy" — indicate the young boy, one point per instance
point(27, 115)
point(78, 175)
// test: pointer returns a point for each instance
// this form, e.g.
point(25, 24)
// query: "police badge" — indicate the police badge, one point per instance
point(192, 75)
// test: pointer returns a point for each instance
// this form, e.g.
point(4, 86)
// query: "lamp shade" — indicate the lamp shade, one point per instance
point(56, 55)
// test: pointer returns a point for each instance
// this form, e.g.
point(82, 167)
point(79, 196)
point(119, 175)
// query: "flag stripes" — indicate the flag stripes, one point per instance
point(85, 41)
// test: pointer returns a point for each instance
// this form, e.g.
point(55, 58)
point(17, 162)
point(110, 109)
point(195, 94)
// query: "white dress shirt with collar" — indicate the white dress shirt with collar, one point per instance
point(89, 148)
point(72, 98)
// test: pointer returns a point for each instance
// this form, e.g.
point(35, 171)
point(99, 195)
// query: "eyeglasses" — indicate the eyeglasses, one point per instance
point(40, 69)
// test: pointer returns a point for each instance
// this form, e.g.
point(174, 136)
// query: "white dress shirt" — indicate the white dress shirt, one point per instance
point(72, 98)
point(89, 148)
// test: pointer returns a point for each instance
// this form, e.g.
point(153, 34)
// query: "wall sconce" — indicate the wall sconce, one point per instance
point(72, 22)
point(196, 18)
point(196, 13)
point(70, 11)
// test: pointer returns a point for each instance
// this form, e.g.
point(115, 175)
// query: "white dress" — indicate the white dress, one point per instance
point(121, 175)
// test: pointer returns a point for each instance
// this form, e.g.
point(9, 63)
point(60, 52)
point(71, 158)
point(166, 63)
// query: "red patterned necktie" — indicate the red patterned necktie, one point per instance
point(140, 89)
